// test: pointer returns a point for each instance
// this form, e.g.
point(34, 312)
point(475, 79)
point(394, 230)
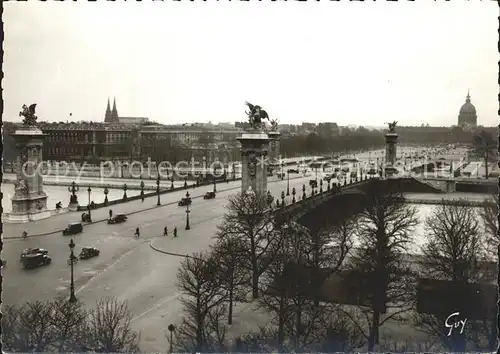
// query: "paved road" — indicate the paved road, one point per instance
point(127, 268)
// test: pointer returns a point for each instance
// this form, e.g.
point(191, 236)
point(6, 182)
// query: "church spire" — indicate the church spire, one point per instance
point(107, 117)
point(114, 113)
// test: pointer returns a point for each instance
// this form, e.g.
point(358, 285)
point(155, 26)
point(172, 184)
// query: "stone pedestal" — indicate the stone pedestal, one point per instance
point(29, 201)
point(254, 151)
point(391, 140)
point(274, 148)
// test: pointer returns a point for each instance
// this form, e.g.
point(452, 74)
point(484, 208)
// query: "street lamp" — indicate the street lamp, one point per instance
point(142, 191)
point(303, 191)
point(125, 191)
point(293, 195)
point(158, 190)
point(106, 191)
point(282, 199)
point(72, 297)
point(88, 206)
point(215, 181)
point(172, 180)
point(171, 329)
point(287, 183)
point(187, 211)
point(73, 188)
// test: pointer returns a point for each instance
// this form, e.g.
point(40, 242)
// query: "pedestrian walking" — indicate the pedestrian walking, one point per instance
point(175, 231)
point(137, 233)
point(110, 213)
point(165, 231)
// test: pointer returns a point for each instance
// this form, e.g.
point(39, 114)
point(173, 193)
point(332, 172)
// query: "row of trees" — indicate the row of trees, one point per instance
point(288, 271)
point(61, 326)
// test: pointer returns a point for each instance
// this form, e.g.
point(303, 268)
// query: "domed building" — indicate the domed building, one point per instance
point(467, 115)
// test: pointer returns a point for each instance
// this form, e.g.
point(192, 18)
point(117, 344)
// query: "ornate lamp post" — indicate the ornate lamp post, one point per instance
point(142, 190)
point(89, 190)
point(282, 199)
point(72, 297)
point(187, 212)
point(321, 186)
point(293, 195)
point(215, 182)
point(171, 329)
point(287, 183)
point(329, 184)
point(303, 191)
point(106, 191)
point(73, 189)
point(158, 190)
point(124, 191)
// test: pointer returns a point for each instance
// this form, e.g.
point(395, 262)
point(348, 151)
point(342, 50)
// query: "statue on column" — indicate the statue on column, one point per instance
point(29, 115)
point(392, 127)
point(255, 115)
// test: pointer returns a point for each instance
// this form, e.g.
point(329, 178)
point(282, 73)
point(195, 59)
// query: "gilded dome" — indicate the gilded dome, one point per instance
point(468, 107)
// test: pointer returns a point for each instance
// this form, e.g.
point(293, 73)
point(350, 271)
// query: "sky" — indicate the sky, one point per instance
point(353, 63)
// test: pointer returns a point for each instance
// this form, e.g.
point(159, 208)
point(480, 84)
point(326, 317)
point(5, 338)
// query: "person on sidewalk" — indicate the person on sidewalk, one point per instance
point(165, 231)
point(175, 231)
point(137, 233)
point(110, 213)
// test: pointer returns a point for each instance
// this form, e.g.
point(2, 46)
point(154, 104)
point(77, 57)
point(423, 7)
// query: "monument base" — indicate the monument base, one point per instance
point(73, 206)
point(19, 218)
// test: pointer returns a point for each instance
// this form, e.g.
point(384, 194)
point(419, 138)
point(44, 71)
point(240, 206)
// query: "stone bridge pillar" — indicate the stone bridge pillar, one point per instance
point(254, 150)
point(29, 201)
point(274, 147)
point(391, 139)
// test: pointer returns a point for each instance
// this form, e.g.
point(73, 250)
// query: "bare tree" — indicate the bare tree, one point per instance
point(229, 252)
point(383, 275)
point(489, 215)
point(108, 327)
point(203, 299)
point(60, 326)
point(294, 279)
point(249, 220)
point(453, 252)
point(484, 146)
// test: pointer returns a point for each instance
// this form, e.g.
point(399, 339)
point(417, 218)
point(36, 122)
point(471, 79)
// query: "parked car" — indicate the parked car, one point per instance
point(89, 252)
point(32, 251)
point(328, 177)
point(118, 218)
point(36, 260)
point(209, 195)
point(185, 201)
point(73, 228)
point(280, 175)
point(293, 170)
point(313, 183)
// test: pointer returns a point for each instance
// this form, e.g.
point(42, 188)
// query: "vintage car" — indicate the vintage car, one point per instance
point(118, 218)
point(32, 251)
point(328, 177)
point(313, 183)
point(35, 260)
point(209, 195)
point(280, 175)
point(185, 201)
point(89, 252)
point(293, 170)
point(73, 228)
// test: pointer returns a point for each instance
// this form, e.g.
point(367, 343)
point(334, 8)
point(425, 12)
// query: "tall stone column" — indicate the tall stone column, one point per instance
point(254, 151)
point(391, 139)
point(29, 201)
point(274, 147)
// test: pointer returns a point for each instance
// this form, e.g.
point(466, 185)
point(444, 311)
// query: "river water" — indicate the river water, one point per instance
point(61, 194)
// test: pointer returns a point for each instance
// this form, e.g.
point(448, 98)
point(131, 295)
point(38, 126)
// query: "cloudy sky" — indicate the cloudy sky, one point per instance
point(345, 62)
